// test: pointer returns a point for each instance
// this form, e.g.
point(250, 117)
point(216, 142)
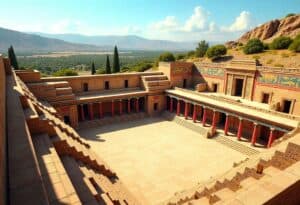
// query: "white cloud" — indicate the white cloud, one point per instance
point(168, 24)
point(129, 30)
point(198, 21)
point(242, 23)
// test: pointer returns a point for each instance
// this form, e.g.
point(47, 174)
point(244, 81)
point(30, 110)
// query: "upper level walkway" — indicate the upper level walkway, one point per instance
point(237, 107)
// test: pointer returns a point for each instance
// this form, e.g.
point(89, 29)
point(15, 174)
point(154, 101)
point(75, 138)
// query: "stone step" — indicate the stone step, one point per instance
point(63, 91)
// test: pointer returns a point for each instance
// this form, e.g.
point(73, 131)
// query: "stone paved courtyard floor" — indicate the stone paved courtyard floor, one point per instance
point(156, 158)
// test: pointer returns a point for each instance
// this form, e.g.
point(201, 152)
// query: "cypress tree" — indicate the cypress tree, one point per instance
point(116, 63)
point(107, 66)
point(13, 58)
point(93, 69)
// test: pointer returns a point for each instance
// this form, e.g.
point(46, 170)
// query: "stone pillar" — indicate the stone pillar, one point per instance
point(214, 122)
point(254, 134)
point(100, 110)
point(120, 107)
point(128, 106)
point(91, 111)
point(82, 112)
point(226, 124)
point(195, 113)
point(178, 107)
point(112, 108)
point(271, 137)
point(186, 110)
point(204, 116)
point(171, 104)
point(137, 109)
point(240, 129)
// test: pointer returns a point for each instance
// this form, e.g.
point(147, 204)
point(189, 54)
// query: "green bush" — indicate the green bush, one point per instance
point(266, 46)
point(191, 54)
point(290, 14)
point(166, 57)
point(201, 49)
point(180, 56)
point(65, 72)
point(281, 43)
point(295, 45)
point(216, 51)
point(253, 46)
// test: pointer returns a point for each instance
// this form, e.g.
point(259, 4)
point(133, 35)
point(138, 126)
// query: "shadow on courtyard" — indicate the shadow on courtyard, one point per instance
point(96, 132)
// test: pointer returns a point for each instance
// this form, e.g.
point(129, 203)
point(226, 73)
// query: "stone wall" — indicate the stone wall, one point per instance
point(2, 132)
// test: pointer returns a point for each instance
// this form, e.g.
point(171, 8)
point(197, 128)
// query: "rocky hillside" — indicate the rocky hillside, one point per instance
point(289, 26)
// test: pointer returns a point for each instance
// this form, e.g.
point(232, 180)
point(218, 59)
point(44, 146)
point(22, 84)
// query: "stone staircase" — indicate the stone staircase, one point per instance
point(111, 120)
point(155, 82)
point(235, 145)
point(249, 184)
point(189, 124)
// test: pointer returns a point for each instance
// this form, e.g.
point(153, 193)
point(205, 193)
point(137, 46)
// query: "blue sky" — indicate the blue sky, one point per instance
point(185, 20)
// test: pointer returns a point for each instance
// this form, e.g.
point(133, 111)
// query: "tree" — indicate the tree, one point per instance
point(295, 46)
point(180, 56)
point(282, 42)
point(166, 57)
point(116, 62)
point(253, 46)
point(107, 66)
point(65, 72)
point(93, 69)
point(290, 14)
point(13, 58)
point(216, 51)
point(201, 49)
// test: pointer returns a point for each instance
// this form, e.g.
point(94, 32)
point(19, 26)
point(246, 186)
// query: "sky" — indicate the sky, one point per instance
point(177, 20)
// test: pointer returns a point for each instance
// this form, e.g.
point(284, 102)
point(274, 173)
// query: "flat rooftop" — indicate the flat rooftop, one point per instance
point(234, 108)
point(155, 158)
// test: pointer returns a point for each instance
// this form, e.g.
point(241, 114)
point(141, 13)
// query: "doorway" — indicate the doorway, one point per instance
point(239, 84)
point(67, 119)
point(287, 106)
point(184, 83)
point(215, 87)
point(85, 87)
point(265, 98)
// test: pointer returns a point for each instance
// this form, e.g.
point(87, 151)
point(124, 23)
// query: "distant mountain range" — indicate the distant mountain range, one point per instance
point(129, 42)
point(42, 42)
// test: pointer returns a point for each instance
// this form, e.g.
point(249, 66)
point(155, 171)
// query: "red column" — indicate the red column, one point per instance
point(178, 107)
point(128, 106)
point(271, 137)
point(204, 116)
point(226, 125)
point(137, 105)
point(240, 129)
point(82, 112)
point(214, 122)
point(91, 111)
point(186, 110)
point(254, 134)
point(120, 107)
point(112, 108)
point(171, 104)
point(195, 113)
point(100, 110)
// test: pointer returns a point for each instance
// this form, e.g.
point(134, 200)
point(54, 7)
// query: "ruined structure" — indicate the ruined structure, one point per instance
point(45, 161)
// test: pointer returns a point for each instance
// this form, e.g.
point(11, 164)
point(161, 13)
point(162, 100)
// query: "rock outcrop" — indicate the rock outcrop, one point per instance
point(289, 26)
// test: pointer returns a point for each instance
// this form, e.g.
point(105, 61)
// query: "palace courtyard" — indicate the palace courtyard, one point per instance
point(155, 158)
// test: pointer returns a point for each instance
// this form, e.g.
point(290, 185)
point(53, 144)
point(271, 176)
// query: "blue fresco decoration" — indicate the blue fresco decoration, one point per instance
point(211, 71)
point(277, 79)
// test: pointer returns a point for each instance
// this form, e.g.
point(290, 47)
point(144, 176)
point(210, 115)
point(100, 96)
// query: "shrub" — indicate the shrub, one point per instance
point(253, 46)
point(281, 43)
point(65, 72)
point(101, 71)
point(180, 56)
point(295, 45)
point(290, 14)
point(201, 49)
point(166, 57)
point(216, 51)
point(191, 54)
point(266, 46)
point(256, 57)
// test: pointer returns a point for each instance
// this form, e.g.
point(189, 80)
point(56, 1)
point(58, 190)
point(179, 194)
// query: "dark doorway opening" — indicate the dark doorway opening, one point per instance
point(155, 106)
point(287, 106)
point(222, 119)
point(184, 83)
point(67, 119)
point(85, 87)
point(239, 87)
point(126, 83)
point(85, 111)
point(215, 87)
point(106, 85)
point(265, 98)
